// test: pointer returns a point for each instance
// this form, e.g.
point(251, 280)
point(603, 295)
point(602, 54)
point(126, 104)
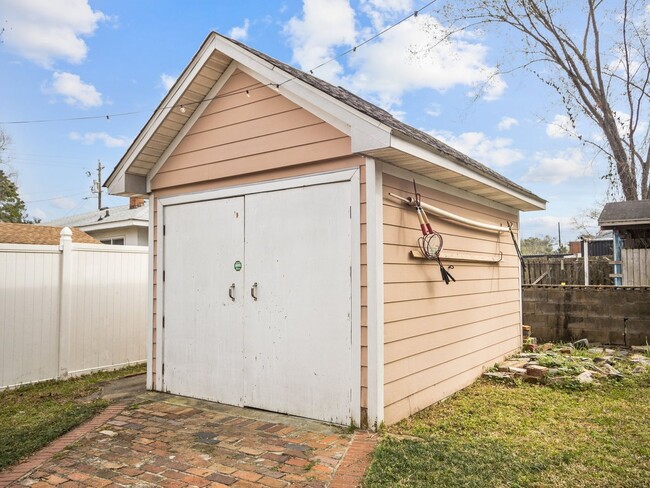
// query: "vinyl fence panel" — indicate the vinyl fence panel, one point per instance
point(29, 313)
point(70, 309)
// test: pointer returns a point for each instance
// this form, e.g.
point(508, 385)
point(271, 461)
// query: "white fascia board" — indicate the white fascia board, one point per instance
point(427, 155)
point(113, 225)
point(225, 76)
point(161, 112)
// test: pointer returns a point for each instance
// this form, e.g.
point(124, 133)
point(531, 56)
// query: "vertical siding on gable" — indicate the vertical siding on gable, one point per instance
point(242, 140)
point(438, 337)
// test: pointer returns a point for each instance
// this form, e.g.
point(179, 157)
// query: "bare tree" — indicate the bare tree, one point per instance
point(595, 57)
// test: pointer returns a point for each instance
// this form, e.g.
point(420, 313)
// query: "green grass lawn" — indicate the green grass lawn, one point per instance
point(494, 434)
point(33, 415)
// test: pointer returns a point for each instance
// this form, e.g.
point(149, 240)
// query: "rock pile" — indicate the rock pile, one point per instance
point(572, 364)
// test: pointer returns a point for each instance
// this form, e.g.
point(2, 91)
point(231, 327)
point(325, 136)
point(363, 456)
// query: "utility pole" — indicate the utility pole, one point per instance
point(96, 187)
point(559, 237)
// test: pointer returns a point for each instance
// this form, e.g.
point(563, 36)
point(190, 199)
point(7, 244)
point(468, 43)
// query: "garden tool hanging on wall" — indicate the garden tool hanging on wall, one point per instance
point(430, 243)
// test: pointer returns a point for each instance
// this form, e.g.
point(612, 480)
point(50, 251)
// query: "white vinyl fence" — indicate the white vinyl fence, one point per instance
point(70, 309)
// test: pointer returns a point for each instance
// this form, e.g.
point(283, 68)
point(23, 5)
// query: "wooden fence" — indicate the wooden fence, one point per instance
point(636, 267)
point(70, 309)
point(556, 270)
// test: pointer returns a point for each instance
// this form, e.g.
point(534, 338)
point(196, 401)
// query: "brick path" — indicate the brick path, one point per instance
point(184, 442)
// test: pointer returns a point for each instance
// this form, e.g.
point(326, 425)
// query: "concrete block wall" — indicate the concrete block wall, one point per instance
point(609, 315)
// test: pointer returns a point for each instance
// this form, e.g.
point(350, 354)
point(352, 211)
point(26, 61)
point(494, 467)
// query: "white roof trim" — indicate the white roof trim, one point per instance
point(113, 225)
point(427, 155)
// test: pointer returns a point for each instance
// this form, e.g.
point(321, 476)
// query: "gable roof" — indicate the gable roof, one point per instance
point(39, 234)
point(122, 216)
point(625, 214)
point(374, 131)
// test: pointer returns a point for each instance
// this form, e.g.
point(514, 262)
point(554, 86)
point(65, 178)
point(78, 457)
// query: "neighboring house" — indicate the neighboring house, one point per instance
point(40, 234)
point(630, 222)
point(600, 245)
point(285, 277)
point(124, 225)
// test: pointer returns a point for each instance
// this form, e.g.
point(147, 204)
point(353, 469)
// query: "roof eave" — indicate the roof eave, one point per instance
point(424, 161)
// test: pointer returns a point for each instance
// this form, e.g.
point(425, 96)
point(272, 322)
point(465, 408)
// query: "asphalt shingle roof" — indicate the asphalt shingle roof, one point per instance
point(39, 234)
point(637, 212)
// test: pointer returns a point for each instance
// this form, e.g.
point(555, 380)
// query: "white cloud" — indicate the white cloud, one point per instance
point(65, 203)
point(91, 137)
point(507, 123)
point(75, 92)
point(167, 81)
point(325, 25)
point(560, 127)
point(240, 33)
point(558, 167)
point(44, 31)
point(493, 152)
point(386, 68)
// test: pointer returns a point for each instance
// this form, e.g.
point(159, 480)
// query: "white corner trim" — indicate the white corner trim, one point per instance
point(355, 222)
point(150, 324)
point(375, 291)
point(160, 297)
point(265, 186)
point(427, 155)
point(216, 88)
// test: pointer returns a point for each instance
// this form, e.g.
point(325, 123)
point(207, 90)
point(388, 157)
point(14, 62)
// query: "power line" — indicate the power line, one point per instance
point(234, 92)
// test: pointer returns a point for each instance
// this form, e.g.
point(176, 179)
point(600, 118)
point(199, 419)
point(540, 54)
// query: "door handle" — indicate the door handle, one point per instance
point(231, 292)
point(254, 291)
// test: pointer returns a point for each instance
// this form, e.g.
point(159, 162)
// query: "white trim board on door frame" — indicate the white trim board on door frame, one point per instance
point(351, 175)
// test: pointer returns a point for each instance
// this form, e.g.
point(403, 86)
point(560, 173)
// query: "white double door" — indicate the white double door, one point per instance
point(257, 301)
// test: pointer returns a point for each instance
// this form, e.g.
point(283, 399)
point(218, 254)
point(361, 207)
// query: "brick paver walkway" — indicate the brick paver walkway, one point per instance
point(188, 443)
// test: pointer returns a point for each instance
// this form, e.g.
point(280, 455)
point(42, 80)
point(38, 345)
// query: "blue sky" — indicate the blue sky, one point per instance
point(77, 58)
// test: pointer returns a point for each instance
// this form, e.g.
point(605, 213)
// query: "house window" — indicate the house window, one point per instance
point(115, 241)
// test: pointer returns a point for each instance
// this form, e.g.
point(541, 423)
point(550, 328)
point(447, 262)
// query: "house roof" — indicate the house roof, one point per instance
point(122, 216)
point(374, 131)
point(39, 234)
point(625, 214)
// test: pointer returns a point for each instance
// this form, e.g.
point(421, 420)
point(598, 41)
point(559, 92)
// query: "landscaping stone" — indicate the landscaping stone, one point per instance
point(546, 347)
point(536, 371)
point(611, 370)
point(585, 377)
point(530, 347)
point(564, 366)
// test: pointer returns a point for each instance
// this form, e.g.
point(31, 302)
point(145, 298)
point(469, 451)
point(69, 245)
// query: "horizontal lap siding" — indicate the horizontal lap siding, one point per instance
point(439, 337)
point(241, 140)
point(239, 134)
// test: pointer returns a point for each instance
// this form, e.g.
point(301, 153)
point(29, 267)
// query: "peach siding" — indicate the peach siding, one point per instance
point(439, 337)
point(241, 140)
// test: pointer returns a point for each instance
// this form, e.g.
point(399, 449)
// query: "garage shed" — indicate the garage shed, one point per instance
point(285, 267)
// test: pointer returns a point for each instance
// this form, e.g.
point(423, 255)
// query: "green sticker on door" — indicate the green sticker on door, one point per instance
point(237, 265)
